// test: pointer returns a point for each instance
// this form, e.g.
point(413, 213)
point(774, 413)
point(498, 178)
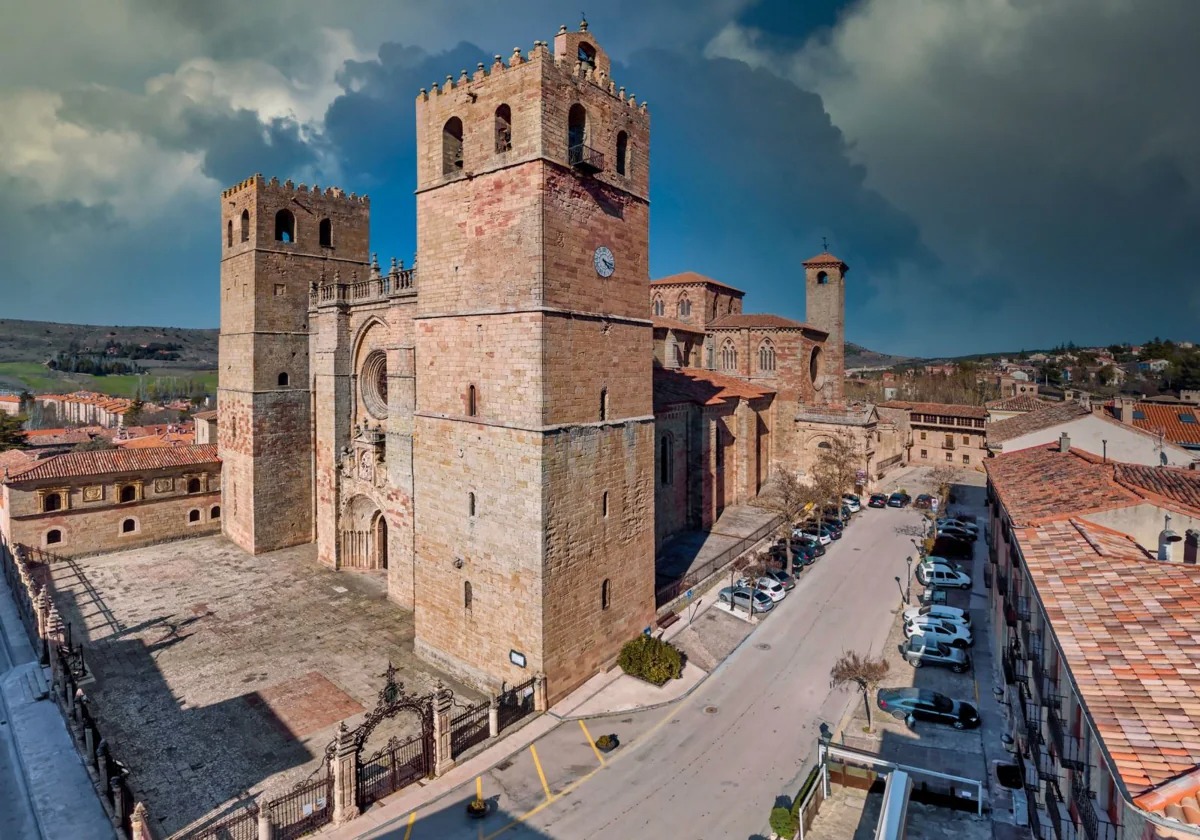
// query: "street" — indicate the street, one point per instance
point(16, 811)
point(712, 764)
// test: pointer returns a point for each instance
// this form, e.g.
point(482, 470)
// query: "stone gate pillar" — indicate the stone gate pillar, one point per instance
point(494, 717)
point(139, 822)
point(539, 693)
point(345, 776)
point(443, 760)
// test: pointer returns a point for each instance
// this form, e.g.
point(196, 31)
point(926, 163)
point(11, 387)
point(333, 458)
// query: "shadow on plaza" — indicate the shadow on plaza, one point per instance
point(450, 822)
point(184, 762)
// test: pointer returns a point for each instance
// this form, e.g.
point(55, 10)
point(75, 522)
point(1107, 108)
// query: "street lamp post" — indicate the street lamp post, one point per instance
point(900, 586)
point(908, 587)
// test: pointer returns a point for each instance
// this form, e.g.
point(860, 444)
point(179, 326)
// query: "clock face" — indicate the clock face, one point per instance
point(604, 262)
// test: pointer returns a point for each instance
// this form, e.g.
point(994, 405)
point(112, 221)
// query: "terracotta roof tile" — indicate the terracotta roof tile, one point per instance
point(1041, 483)
point(1018, 402)
point(14, 460)
point(1034, 421)
point(823, 258)
point(764, 320)
point(62, 437)
point(77, 464)
point(205, 415)
point(703, 387)
point(1167, 420)
point(688, 278)
point(659, 324)
point(1178, 485)
point(10, 398)
point(946, 409)
point(151, 441)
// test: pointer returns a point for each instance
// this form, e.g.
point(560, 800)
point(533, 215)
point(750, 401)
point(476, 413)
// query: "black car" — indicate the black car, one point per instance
point(923, 502)
point(834, 524)
point(951, 547)
point(877, 500)
point(922, 704)
point(801, 555)
point(898, 500)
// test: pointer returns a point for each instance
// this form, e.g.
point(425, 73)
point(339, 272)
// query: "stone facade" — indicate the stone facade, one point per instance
point(941, 434)
point(94, 502)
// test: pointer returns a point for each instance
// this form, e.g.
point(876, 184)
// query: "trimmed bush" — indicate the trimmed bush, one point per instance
point(783, 823)
point(651, 659)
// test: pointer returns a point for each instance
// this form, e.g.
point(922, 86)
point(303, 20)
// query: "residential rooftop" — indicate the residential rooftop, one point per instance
point(1047, 415)
point(105, 461)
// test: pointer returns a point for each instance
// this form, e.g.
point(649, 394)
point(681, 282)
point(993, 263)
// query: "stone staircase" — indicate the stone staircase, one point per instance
point(35, 684)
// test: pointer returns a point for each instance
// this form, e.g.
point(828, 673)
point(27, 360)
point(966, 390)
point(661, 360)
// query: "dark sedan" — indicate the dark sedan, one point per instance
point(922, 704)
point(898, 500)
point(923, 502)
point(877, 500)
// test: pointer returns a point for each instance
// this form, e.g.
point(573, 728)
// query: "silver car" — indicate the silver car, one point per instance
point(740, 597)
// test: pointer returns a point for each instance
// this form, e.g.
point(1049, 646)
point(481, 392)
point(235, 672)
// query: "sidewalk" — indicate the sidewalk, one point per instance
point(57, 784)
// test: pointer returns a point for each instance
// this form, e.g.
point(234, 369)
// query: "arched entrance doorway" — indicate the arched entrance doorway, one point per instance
point(363, 536)
point(381, 542)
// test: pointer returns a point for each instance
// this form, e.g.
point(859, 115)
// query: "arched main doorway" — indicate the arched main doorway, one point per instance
point(381, 537)
point(362, 536)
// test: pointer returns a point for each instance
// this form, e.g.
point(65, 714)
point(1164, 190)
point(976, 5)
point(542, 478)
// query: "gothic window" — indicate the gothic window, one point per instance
point(285, 226)
point(128, 493)
point(325, 233)
point(52, 501)
point(128, 526)
point(53, 536)
point(622, 151)
point(576, 130)
point(245, 225)
point(603, 403)
point(766, 356)
point(215, 513)
point(193, 485)
point(666, 460)
point(470, 504)
point(229, 234)
point(660, 308)
point(193, 515)
point(728, 355)
point(452, 146)
point(283, 380)
point(684, 307)
point(814, 367)
point(468, 596)
point(822, 278)
point(672, 351)
point(587, 55)
point(605, 593)
point(472, 402)
point(503, 129)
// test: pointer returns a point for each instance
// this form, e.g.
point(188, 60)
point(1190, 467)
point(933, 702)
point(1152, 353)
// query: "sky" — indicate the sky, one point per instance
point(998, 174)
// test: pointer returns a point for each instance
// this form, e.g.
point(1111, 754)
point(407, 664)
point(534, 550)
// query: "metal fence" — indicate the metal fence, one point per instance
point(469, 727)
point(242, 825)
point(670, 591)
point(515, 704)
point(397, 765)
point(304, 808)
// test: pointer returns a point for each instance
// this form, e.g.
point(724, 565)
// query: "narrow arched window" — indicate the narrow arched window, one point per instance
point(472, 402)
point(605, 592)
point(193, 516)
point(325, 233)
point(822, 278)
point(285, 226)
point(129, 493)
point(766, 356)
point(684, 307)
point(229, 234)
point(468, 596)
point(283, 380)
point(622, 151)
point(470, 504)
point(603, 403)
point(660, 308)
point(503, 129)
point(215, 513)
point(53, 536)
point(576, 131)
point(53, 501)
point(193, 485)
point(673, 355)
point(452, 146)
point(728, 355)
point(245, 225)
point(128, 526)
point(604, 504)
point(666, 467)
point(587, 55)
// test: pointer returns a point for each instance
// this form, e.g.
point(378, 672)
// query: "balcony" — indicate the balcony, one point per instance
point(585, 159)
point(1093, 826)
point(1022, 607)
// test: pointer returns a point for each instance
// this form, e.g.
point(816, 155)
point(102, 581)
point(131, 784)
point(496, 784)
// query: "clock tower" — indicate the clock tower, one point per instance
point(534, 428)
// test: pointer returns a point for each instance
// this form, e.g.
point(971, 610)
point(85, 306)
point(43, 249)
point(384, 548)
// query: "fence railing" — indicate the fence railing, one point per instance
point(469, 727)
point(397, 765)
point(670, 591)
point(306, 807)
point(515, 704)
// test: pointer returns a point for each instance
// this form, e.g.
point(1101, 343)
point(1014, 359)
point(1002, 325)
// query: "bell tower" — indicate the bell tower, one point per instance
point(533, 462)
point(277, 240)
point(825, 308)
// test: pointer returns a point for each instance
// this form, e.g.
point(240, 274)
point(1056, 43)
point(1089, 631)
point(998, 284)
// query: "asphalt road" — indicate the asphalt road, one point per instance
point(710, 766)
point(16, 811)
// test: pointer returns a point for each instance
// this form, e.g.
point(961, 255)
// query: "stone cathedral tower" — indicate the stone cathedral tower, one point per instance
point(277, 240)
point(533, 431)
point(825, 308)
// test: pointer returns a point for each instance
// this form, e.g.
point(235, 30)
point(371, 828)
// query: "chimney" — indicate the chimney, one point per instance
point(1064, 442)
point(1191, 547)
point(1125, 410)
point(1166, 541)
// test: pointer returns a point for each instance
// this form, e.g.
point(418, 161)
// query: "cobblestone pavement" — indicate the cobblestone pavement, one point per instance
point(851, 814)
point(220, 675)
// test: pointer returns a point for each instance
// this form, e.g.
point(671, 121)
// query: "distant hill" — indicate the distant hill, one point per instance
point(37, 341)
point(857, 356)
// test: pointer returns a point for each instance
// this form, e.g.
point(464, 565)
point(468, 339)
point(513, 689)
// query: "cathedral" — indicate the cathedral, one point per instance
point(514, 425)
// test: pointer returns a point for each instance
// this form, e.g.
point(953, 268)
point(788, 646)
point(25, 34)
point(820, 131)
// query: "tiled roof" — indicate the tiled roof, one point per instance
point(823, 258)
point(703, 387)
point(77, 464)
point(61, 437)
point(1129, 628)
point(205, 415)
point(764, 320)
point(1178, 799)
point(659, 324)
point(1166, 419)
point(1178, 485)
point(151, 441)
point(1034, 421)
point(688, 278)
point(10, 398)
point(14, 460)
point(1019, 402)
point(1041, 483)
point(944, 409)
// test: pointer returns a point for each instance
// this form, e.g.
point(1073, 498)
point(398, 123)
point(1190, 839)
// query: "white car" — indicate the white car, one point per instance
point(821, 537)
point(944, 577)
point(930, 563)
point(960, 523)
point(773, 589)
point(948, 632)
point(852, 502)
point(939, 611)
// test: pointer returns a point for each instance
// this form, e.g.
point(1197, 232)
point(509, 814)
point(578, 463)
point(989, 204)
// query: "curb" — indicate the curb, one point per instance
point(23, 771)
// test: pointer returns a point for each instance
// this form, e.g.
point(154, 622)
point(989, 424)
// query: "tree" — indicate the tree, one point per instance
point(863, 671)
point(12, 434)
point(95, 444)
point(133, 414)
point(788, 496)
point(836, 469)
point(752, 571)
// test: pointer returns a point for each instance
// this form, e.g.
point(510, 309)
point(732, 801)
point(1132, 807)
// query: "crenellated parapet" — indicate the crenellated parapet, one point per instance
point(287, 189)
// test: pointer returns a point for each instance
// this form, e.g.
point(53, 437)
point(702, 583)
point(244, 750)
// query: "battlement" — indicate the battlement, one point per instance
point(289, 188)
point(566, 57)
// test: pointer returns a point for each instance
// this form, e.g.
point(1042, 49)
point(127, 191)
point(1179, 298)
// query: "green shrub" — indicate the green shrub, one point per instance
point(783, 823)
point(651, 659)
point(604, 742)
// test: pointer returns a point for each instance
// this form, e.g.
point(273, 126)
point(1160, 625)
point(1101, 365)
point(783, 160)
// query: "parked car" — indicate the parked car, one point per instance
point(740, 597)
point(943, 576)
point(805, 542)
point(923, 704)
point(971, 527)
point(782, 578)
point(802, 555)
point(852, 502)
point(834, 525)
point(923, 502)
point(877, 500)
point(934, 560)
point(948, 546)
point(899, 500)
point(939, 630)
point(919, 651)
point(768, 585)
point(940, 611)
point(813, 532)
point(957, 532)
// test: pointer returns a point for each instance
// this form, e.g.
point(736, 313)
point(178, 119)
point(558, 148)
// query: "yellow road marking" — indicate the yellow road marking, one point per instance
point(412, 818)
point(592, 743)
point(541, 773)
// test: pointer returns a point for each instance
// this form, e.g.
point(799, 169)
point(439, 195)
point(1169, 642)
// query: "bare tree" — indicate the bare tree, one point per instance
point(788, 496)
point(943, 477)
point(752, 571)
point(863, 671)
point(836, 468)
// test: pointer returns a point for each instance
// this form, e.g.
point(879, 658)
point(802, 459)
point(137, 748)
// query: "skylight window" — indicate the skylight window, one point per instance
point(1138, 414)
point(1187, 418)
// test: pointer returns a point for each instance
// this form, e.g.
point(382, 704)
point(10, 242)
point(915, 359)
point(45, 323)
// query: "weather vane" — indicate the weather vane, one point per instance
point(824, 244)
